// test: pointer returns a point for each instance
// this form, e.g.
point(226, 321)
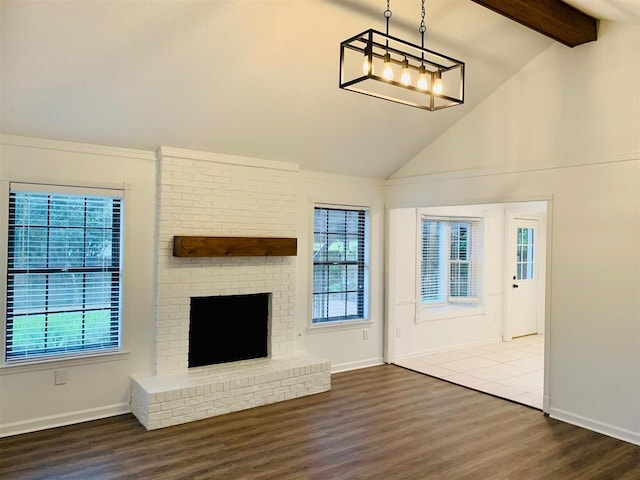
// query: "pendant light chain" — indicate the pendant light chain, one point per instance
point(387, 71)
point(423, 26)
point(387, 14)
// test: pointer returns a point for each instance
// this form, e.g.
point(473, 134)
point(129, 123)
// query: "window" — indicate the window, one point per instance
point(63, 273)
point(340, 265)
point(525, 252)
point(449, 262)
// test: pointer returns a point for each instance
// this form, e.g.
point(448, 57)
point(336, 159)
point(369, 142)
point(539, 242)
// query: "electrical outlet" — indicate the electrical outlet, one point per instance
point(365, 334)
point(61, 377)
point(398, 332)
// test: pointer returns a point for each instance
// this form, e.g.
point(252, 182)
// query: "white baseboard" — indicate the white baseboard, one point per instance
point(449, 348)
point(52, 421)
point(596, 426)
point(345, 367)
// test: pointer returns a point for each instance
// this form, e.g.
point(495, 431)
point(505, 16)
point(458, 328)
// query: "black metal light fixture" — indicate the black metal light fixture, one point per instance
point(377, 64)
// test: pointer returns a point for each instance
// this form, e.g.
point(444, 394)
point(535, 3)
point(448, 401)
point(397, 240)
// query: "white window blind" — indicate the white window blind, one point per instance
point(433, 262)
point(449, 260)
point(63, 274)
point(340, 265)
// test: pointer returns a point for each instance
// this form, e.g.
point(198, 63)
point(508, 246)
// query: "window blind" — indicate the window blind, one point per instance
point(432, 268)
point(339, 264)
point(449, 260)
point(63, 274)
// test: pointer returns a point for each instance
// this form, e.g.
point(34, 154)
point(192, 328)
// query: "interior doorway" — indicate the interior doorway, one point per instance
point(499, 346)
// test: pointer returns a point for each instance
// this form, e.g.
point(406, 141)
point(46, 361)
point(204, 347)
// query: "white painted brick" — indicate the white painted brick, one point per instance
point(251, 389)
point(162, 415)
point(202, 197)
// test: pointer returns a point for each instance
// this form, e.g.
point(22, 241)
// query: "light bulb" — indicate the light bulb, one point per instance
point(405, 78)
point(423, 84)
point(367, 66)
point(437, 84)
point(387, 72)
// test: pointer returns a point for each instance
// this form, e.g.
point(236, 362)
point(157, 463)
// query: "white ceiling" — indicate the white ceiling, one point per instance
point(251, 78)
point(627, 11)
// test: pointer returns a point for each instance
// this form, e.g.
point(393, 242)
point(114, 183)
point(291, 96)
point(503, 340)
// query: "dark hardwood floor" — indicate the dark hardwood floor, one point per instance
point(377, 423)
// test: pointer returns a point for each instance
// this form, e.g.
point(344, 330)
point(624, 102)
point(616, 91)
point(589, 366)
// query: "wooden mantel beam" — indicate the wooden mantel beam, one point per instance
point(197, 246)
point(552, 18)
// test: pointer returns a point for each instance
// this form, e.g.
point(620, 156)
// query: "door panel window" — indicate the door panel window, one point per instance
point(525, 254)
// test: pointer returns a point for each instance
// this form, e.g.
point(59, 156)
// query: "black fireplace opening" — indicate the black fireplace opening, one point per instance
point(228, 328)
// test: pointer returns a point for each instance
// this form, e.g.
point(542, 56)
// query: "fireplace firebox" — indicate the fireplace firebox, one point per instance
point(228, 328)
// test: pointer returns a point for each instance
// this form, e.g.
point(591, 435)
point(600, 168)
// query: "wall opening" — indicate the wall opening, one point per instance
point(419, 338)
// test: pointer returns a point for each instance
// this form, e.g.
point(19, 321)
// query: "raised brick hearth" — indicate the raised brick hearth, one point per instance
point(203, 392)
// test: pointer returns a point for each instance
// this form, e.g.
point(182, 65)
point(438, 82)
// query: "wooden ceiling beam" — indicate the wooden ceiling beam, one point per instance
point(552, 18)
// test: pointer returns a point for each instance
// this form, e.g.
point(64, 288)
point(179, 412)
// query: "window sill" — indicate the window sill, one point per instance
point(51, 363)
point(340, 325)
point(444, 313)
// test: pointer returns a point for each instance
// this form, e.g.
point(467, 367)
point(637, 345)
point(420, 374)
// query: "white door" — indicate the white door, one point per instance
point(523, 278)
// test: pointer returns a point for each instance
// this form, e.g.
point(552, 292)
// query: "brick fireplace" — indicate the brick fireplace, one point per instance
point(217, 195)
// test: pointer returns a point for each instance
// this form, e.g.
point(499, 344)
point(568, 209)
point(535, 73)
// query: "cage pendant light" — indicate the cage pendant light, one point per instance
point(380, 65)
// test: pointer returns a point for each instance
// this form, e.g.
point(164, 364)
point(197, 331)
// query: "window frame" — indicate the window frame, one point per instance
point(115, 270)
point(450, 306)
point(363, 315)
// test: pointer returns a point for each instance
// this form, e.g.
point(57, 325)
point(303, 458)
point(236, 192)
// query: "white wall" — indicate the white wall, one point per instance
point(97, 387)
point(567, 106)
point(418, 334)
point(344, 345)
point(565, 128)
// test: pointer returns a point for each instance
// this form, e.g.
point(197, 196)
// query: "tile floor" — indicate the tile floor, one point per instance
point(512, 370)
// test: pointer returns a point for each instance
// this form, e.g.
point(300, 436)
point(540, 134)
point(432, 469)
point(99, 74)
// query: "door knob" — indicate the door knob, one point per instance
point(515, 285)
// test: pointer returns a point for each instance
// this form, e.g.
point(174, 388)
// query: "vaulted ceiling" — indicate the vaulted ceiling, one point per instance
point(250, 78)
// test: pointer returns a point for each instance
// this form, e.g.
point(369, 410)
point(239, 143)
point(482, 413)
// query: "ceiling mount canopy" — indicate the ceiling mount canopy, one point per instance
point(382, 66)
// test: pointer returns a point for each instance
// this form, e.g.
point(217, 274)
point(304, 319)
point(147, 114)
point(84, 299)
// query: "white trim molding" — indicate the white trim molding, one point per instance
point(510, 169)
point(224, 158)
point(449, 348)
point(336, 177)
point(69, 418)
point(366, 363)
point(73, 147)
point(596, 426)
